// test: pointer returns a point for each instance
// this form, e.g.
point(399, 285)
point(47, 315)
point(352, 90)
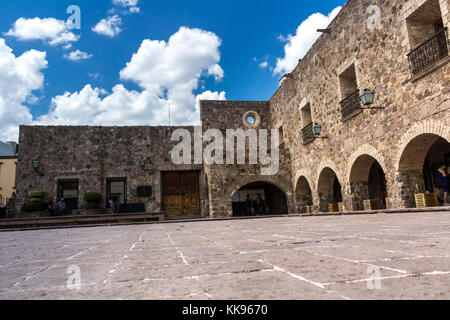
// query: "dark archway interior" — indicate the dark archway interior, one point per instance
point(368, 182)
point(274, 201)
point(439, 154)
point(418, 166)
point(303, 194)
point(377, 183)
point(329, 188)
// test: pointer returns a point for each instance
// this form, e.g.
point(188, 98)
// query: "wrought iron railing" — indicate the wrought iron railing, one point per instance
point(307, 134)
point(429, 52)
point(350, 104)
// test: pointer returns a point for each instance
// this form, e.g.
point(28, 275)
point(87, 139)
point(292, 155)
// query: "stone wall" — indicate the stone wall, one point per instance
point(225, 180)
point(94, 154)
point(411, 106)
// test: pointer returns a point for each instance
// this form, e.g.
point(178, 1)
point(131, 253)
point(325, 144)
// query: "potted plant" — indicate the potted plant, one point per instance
point(369, 203)
point(423, 197)
point(34, 207)
point(92, 205)
point(309, 206)
point(333, 206)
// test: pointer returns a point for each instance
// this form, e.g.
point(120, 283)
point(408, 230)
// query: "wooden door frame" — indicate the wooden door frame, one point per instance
point(108, 189)
point(59, 189)
point(198, 172)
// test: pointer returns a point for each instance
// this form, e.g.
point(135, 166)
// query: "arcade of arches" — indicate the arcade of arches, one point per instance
point(417, 172)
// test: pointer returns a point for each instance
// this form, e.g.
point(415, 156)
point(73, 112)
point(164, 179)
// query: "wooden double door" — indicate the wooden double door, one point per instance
point(181, 195)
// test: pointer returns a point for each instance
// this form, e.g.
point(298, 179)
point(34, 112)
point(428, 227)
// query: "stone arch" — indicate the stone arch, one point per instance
point(305, 173)
point(367, 181)
point(275, 200)
point(329, 188)
point(303, 193)
point(266, 179)
point(328, 164)
point(417, 168)
point(365, 149)
point(429, 126)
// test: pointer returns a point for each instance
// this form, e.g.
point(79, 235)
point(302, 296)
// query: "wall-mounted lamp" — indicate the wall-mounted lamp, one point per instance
point(317, 130)
point(367, 98)
point(223, 127)
point(36, 164)
point(142, 162)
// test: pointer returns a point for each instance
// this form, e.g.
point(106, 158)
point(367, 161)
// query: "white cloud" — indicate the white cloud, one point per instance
point(299, 44)
point(125, 3)
point(109, 27)
point(264, 65)
point(208, 95)
point(168, 73)
point(177, 63)
point(77, 55)
point(19, 77)
point(130, 4)
point(50, 30)
point(134, 10)
point(94, 75)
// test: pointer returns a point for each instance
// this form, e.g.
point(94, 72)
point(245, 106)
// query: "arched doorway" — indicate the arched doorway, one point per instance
point(274, 200)
point(367, 182)
point(329, 189)
point(303, 194)
point(418, 166)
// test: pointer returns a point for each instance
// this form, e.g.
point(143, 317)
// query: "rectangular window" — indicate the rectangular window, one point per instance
point(116, 190)
point(307, 124)
point(306, 115)
point(68, 189)
point(427, 37)
point(350, 104)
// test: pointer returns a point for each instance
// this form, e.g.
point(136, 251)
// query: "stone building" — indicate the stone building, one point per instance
point(372, 151)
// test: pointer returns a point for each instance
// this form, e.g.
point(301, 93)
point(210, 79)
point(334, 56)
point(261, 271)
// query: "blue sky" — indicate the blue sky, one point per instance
point(252, 35)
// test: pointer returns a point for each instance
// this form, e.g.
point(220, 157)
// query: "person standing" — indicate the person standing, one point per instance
point(443, 182)
point(248, 205)
point(260, 204)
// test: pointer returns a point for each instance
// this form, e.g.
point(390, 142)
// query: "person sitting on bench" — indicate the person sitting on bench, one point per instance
point(60, 207)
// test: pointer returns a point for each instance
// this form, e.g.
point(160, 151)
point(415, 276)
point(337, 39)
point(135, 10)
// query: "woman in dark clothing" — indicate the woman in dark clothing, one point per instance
point(443, 182)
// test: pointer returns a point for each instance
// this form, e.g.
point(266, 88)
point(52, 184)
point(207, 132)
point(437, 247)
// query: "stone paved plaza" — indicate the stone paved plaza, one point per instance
point(329, 257)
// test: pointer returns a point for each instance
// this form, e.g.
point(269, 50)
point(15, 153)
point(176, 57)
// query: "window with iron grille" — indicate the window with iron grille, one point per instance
point(428, 37)
point(307, 124)
point(350, 103)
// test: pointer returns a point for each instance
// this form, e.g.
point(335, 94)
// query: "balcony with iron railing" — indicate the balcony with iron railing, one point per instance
point(350, 105)
point(307, 134)
point(429, 52)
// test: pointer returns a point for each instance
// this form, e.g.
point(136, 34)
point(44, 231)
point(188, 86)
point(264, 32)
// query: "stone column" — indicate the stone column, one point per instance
point(358, 195)
point(402, 189)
